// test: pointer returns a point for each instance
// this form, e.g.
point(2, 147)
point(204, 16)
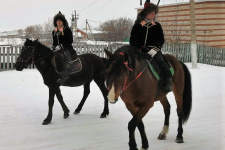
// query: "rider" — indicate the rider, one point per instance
point(147, 36)
point(62, 40)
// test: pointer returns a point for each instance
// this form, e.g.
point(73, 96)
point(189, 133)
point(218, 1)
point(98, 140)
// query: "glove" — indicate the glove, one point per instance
point(58, 47)
point(152, 52)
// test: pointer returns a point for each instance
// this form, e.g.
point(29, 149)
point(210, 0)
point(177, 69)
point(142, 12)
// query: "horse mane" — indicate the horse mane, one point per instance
point(44, 49)
point(127, 53)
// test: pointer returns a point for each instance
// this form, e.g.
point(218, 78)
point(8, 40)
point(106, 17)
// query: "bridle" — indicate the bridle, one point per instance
point(31, 56)
point(125, 84)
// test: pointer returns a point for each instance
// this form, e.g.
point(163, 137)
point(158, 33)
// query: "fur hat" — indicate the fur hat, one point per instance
point(148, 8)
point(61, 17)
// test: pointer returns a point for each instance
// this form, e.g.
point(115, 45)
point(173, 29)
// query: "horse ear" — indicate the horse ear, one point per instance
point(108, 53)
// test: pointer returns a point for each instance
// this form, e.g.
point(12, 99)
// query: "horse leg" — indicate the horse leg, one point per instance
point(141, 129)
point(179, 138)
point(60, 99)
point(131, 127)
point(85, 95)
point(104, 91)
point(50, 106)
point(165, 129)
point(136, 121)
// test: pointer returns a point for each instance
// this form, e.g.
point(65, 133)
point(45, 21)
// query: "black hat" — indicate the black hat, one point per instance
point(61, 17)
point(148, 8)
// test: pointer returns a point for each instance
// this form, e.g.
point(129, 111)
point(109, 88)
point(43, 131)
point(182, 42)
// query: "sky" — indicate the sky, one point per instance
point(24, 105)
point(18, 14)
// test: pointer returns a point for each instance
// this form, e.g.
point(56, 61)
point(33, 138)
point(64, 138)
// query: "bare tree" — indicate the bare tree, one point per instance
point(117, 29)
point(34, 32)
point(20, 32)
point(47, 32)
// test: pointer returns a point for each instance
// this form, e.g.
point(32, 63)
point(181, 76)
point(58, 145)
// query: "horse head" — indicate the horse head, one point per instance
point(26, 55)
point(119, 66)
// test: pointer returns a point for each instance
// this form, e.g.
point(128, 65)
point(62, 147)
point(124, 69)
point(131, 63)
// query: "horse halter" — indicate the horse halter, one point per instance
point(125, 85)
point(31, 56)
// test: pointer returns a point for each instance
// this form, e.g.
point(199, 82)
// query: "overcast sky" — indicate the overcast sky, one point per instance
point(18, 14)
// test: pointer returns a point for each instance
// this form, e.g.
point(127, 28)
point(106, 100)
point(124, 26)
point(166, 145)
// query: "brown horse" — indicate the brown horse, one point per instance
point(128, 76)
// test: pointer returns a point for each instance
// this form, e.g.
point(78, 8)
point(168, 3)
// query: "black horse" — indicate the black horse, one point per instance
point(93, 68)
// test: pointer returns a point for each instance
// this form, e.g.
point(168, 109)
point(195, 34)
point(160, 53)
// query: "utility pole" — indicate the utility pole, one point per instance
point(74, 24)
point(91, 35)
point(193, 35)
point(86, 30)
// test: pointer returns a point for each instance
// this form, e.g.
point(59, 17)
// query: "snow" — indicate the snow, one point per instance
point(24, 105)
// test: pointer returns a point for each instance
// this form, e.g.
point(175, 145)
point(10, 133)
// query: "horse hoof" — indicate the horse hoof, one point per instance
point(179, 140)
point(161, 136)
point(76, 113)
point(104, 115)
point(46, 122)
point(66, 116)
point(144, 149)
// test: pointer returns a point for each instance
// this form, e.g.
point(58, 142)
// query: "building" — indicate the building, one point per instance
point(209, 19)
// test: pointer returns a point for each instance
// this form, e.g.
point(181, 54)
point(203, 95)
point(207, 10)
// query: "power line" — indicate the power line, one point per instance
point(98, 8)
point(88, 5)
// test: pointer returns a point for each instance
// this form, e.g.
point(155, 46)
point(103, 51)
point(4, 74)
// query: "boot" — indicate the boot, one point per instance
point(165, 74)
point(73, 54)
point(167, 86)
point(63, 76)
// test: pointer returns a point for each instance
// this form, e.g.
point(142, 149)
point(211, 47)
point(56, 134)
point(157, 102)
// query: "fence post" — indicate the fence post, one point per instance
point(0, 58)
point(3, 58)
point(12, 54)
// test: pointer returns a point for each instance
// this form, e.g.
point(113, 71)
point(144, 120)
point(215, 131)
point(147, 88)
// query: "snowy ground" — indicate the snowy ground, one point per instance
point(24, 105)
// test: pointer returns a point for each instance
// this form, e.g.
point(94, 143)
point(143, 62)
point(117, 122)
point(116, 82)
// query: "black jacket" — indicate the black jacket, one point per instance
point(65, 38)
point(155, 36)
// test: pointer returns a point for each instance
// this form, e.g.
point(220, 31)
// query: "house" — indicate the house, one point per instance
point(94, 35)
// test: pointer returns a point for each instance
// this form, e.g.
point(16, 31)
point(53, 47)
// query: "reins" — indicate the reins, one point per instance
point(125, 81)
point(125, 85)
point(40, 59)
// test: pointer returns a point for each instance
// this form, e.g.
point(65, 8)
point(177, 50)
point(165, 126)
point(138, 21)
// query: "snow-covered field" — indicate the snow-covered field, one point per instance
point(24, 105)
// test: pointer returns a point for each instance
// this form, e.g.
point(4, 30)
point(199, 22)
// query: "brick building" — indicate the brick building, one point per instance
point(209, 17)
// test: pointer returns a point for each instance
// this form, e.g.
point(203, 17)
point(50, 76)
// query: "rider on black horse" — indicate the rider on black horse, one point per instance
point(62, 42)
point(147, 36)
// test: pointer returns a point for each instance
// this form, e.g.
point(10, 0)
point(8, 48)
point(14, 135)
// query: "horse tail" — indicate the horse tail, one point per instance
point(187, 94)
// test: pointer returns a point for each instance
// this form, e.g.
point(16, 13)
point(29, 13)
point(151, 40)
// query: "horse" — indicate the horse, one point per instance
point(128, 76)
point(93, 68)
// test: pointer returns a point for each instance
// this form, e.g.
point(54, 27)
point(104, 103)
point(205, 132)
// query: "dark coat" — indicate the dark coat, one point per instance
point(155, 35)
point(65, 38)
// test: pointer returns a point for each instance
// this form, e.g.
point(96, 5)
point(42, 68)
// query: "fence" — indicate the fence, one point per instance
point(206, 54)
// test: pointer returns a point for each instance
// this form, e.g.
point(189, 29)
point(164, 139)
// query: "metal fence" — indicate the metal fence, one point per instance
point(206, 54)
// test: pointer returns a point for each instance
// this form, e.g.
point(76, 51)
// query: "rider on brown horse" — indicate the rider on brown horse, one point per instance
point(62, 41)
point(147, 36)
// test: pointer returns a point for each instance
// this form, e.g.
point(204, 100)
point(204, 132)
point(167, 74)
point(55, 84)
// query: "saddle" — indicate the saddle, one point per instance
point(156, 70)
point(65, 63)
point(158, 73)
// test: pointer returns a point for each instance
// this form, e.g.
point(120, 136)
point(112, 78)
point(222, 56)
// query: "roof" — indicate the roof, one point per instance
point(186, 2)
